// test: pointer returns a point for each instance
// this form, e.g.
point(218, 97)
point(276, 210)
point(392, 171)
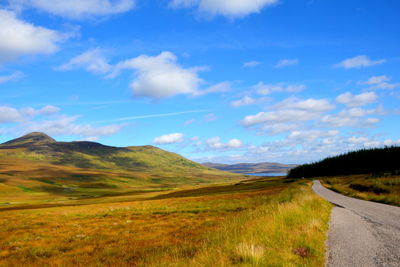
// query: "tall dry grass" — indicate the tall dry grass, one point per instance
point(280, 224)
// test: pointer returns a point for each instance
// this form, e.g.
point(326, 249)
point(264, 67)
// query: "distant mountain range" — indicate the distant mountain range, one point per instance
point(252, 168)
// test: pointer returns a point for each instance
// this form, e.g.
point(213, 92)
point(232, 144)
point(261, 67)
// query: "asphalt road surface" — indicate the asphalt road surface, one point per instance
point(361, 233)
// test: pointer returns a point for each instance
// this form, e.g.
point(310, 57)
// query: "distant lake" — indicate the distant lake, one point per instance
point(267, 174)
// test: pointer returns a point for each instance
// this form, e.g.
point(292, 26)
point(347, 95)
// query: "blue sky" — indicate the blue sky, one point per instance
point(214, 80)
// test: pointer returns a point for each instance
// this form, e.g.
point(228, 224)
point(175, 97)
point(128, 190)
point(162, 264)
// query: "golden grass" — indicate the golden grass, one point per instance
point(255, 223)
point(384, 189)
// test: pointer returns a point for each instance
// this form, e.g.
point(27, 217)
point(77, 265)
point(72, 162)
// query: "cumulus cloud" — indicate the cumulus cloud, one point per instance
point(380, 82)
point(215, 143)
point(353, 117)
point(358, 62)
point(156, 77)
point(286, 63)
point(251, 64)
point(11, 77)
point(288, 115)
point(217, 88)
point(169, 139)
point(46, 110)
point(227, 8)
point(376, 80)
point(160, 76)
point(245, 101)
point(19, 38)
point(92, 61)
point(310, 104)
point(77, 9)
point(351, 100)
point(312, 135)
point(9, 114)
point(47, 119)
point(266, 89)
point(66, 125)
point(278, 116)
point(299, 146)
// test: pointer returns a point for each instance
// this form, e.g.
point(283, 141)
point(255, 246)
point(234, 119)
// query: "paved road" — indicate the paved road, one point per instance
point(361, 233)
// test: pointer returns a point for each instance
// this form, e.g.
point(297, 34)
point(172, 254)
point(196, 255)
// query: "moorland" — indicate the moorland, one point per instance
point(86, 204)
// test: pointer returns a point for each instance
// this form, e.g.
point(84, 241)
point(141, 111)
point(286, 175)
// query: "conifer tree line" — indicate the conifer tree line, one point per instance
point(377, 161)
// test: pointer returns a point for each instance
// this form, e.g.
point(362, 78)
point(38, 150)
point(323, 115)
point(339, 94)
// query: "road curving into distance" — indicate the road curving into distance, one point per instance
point(361, 233)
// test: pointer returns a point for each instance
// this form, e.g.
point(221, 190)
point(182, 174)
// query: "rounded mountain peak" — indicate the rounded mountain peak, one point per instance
point(34, 138)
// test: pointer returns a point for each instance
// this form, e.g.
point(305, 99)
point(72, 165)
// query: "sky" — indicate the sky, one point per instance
point(227, 81)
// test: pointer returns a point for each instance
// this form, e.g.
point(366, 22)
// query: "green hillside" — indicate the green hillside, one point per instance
point(36, 168)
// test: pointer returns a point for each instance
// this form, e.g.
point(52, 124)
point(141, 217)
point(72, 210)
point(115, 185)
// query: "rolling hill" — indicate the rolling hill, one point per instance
point(36, 168)
point(253, 168)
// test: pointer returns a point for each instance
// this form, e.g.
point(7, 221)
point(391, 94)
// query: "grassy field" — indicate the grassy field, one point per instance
point(261, 222)
point(378, 188)
point(38, 182)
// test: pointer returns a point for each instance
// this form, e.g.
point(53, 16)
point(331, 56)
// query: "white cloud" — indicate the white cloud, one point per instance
point(160, 76)
point(156, 77)
point(380, 82)
point(65, 125)
point(169, 139)
point(92, 61)
point(9, 114)
point(376, 80)
point(77, 9)
point(390, 142)
point(279, 116)
point(27, 120)
point(286, 63)
point(251, 64)
point(359, 62)
point(353, 117)
point(91, 138)
point(351, 100)
point(247, 100)
point(266, 89)
point(288, 115)
point(188, 122)
point(310, 104)
point(217, 88)
point(215, 143)
point(11, 77)
point(19, 38)
point(357, 139)
point(312, 135)
point(298, 146)
point(46, 110)
point(227, 8)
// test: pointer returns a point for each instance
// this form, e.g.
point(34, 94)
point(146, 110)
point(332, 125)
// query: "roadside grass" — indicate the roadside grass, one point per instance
point(379, 188)
point(261, 222)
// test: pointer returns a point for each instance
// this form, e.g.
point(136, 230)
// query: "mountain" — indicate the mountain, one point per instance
point(244, 168)
point(35, 166)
